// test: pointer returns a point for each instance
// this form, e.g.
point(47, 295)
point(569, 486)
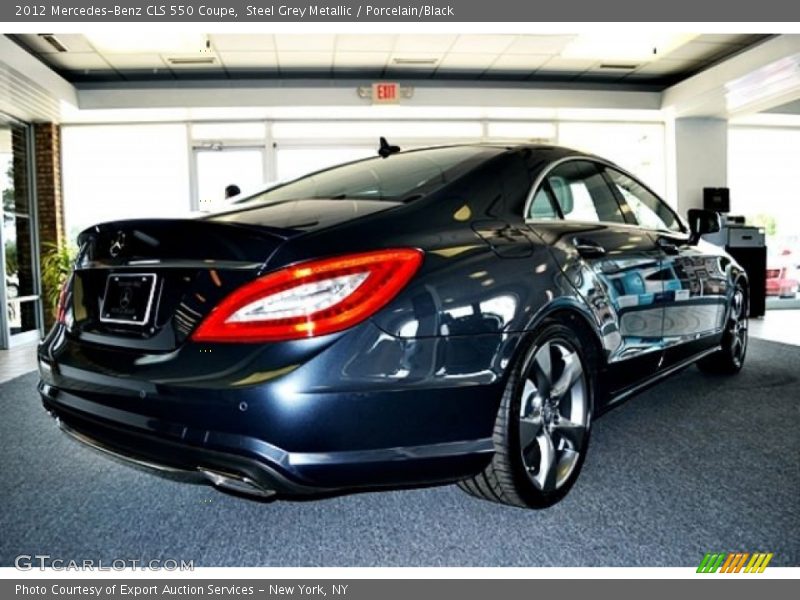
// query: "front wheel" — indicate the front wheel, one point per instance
point(542, 429)
point(729, 359)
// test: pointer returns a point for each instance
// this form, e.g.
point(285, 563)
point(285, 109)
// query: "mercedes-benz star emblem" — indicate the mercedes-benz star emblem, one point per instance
point(117, 245)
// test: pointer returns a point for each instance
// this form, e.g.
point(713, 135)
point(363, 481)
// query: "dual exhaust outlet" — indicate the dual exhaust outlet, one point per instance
point(232, 482)
point(235, 483)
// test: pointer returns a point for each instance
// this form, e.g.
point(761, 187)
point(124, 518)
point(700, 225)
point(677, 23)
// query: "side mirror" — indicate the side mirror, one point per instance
point(702, 221)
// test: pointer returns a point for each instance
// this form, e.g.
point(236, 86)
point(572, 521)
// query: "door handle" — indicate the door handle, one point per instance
point(588, 248)
point(668, 246)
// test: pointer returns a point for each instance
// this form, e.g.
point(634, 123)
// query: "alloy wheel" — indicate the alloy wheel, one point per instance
point(737, 327)
point(554, 416)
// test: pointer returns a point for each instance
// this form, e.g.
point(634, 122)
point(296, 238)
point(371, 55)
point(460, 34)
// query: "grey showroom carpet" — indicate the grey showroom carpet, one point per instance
point(695, 465)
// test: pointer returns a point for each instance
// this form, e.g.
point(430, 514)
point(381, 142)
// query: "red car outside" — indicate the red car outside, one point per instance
point(782, 282)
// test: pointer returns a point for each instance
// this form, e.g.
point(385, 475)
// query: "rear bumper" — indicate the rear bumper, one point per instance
point(782, 287)
point(253, 466)
point(357, 410)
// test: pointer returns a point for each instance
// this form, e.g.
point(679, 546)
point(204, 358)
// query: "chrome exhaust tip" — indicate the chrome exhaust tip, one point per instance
point(222, 480)
point(236, 483)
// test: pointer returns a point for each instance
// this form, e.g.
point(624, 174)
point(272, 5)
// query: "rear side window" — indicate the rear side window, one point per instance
point(647, 209)
point(582, 193)
point(542, 207)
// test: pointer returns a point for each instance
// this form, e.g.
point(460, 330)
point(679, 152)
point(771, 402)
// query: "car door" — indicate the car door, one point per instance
point(695, 286)
point(611, 262)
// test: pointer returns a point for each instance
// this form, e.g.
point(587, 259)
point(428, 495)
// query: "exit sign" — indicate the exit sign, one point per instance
point(385, 93)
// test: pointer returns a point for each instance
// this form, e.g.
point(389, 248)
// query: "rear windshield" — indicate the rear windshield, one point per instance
point(399, 178)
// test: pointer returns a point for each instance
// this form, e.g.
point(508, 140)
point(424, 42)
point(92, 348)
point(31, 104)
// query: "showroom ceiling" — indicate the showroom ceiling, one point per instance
point(644, 59)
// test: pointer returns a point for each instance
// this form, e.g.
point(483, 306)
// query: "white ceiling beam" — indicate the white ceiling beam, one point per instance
point(708, 94)
point(344, 93)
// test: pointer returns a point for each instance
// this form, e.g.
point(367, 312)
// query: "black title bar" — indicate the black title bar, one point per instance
point(436, 11)
point(731, 588)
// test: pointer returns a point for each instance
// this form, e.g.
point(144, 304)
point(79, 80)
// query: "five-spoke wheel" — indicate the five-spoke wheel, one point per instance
point(737, 325)
point(543, 424)
point(553, 416)
point(730, 358)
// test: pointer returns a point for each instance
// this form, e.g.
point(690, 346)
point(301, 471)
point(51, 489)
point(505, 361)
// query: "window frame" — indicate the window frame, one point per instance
point(629, 210)
point(551, 198)
point(543, 183)
point(601, 164)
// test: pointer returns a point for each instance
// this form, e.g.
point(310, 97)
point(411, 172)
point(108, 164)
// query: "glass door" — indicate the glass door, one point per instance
point(223, 172)
point(296, 161)
point(19, 258)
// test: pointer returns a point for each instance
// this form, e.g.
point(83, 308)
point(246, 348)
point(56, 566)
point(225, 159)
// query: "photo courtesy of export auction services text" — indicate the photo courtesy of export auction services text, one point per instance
point(171, 589)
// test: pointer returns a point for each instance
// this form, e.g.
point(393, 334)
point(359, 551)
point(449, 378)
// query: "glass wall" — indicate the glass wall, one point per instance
point(636, 147)
point(237, 170)
point(123, 171)
point(763, 164)
point(19, 289)
point(294, 161)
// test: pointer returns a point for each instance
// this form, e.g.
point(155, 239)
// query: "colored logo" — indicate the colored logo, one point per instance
point(734, 562)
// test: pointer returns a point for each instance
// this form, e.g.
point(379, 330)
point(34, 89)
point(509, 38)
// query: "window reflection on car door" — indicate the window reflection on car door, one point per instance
point(609, 260)
point(694, 283)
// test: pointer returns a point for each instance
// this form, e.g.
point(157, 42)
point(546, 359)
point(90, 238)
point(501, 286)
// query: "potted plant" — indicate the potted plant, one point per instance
point(57, 260)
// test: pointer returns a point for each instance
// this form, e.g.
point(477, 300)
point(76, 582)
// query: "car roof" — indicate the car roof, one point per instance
point(549, 152)
point(508, 146)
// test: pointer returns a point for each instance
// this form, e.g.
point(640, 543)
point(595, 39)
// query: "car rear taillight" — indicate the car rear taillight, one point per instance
point(311, 298)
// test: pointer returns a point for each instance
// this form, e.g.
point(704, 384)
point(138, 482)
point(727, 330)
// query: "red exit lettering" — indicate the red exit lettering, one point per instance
point(385, 93)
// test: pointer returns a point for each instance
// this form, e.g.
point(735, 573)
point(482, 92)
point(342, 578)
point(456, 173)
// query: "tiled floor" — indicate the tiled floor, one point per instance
point(17, 361)
point(777, 326)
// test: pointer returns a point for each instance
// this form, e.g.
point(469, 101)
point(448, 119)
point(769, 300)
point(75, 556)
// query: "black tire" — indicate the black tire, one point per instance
point(730, 358)
point(508, 479)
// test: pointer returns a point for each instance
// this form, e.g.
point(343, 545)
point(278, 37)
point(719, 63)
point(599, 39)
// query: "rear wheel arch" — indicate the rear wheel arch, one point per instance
point(581, 323)
point(510, 478)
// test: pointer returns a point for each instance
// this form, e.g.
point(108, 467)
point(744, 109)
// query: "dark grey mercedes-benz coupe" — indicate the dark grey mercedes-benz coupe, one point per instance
point(454, 314)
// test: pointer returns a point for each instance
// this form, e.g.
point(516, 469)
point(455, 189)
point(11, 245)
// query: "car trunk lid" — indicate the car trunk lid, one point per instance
point(146, 284)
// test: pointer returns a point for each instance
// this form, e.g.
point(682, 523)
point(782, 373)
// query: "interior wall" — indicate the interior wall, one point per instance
point(701, 159)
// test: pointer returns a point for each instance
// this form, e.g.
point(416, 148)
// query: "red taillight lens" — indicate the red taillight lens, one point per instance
point(61, 310)
point(310, 299)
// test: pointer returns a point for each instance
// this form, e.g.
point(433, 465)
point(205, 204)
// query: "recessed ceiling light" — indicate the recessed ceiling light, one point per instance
point(415, 61)
point(618, 67)
point(191, 60)
point(54, 42)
